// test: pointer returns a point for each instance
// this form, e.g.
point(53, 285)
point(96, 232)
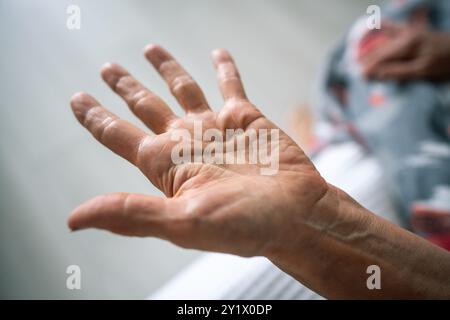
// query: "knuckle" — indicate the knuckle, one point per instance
point(107, 125)
point(167, 66)
point(96, 119)
point(123, 82)
point(227, 71)
point(182, 84)
point(239, 113)
point(141, 99)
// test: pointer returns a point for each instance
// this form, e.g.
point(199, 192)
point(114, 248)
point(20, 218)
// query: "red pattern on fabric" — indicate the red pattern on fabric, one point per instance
point(430, 220)
point(442, 241)
point(377, 100)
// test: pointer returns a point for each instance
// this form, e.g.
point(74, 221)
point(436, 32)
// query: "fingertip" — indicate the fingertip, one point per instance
point(105, 71)
point(71, 224)
point(152, 50)
point(80, 103)
point(111, 72)
point(80, 217)
point(106, 67)
point(72, 221)
point(221, 55)
point(216, 52)
point(77, 96)
point(156, 54)
point(150, 47)
point(80, 100)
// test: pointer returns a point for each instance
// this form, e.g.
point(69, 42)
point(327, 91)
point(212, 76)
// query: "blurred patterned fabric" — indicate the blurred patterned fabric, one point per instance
point(405, 125)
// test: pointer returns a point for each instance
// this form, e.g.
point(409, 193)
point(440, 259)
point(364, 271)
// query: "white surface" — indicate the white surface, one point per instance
point(210, 276)
point(222, 276)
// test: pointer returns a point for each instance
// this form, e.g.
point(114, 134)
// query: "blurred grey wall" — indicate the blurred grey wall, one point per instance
point(49, 163)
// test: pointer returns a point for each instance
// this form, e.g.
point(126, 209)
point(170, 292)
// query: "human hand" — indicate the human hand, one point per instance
point(409, 52)
point(216, 207)
point(308, 228)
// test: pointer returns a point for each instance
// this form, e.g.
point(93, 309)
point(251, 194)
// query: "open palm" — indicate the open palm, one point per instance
point(219, 207)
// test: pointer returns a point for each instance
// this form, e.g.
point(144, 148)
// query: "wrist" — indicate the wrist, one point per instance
point(334, 208)
point(311, 252)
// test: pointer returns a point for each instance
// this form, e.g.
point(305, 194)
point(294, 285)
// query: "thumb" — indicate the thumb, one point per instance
point(123, 213)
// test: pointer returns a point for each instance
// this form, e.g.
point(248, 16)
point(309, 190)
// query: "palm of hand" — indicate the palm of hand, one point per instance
point(227, 207)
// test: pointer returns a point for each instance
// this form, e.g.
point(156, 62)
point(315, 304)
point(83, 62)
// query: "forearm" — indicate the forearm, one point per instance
point(336, 244)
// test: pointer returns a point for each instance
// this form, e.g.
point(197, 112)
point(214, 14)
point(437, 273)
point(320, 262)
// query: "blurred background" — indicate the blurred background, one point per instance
point(49, 163)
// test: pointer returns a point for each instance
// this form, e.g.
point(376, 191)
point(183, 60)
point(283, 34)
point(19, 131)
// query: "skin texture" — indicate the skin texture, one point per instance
point(410, 51)
point(310, 229)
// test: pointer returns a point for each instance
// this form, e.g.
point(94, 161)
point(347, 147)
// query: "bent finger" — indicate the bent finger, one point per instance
point(183, 87)
point(146, 105)
point(230, 83)
point(118, 135)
